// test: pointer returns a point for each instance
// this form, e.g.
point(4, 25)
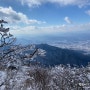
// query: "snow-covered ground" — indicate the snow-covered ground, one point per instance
point(38, 78)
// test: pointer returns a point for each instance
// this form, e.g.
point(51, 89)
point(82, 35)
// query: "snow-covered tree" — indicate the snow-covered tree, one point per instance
point(12, 55)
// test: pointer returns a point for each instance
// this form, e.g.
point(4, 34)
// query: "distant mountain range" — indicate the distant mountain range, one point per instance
point(55, 56)
point(64, 48)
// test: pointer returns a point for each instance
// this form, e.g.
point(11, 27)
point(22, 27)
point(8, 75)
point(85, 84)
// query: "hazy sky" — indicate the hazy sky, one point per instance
point(46, 16)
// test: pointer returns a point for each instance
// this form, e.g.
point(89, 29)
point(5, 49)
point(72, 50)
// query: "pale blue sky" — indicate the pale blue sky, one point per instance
point(46, 16)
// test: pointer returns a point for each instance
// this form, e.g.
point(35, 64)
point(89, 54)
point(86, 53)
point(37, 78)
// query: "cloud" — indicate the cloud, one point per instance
point(16, 17)
point(68, 20)
point(32, 3)
point(79, 3)
point(37, 30)
point(88, 12)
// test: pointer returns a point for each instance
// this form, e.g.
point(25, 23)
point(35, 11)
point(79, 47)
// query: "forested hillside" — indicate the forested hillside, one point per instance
point(55, 56)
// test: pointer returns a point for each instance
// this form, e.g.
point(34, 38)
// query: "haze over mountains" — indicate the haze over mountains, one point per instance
point(67, 48)
point(70, 40)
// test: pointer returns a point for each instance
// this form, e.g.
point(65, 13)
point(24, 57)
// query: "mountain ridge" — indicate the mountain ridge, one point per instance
point(55, 56)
